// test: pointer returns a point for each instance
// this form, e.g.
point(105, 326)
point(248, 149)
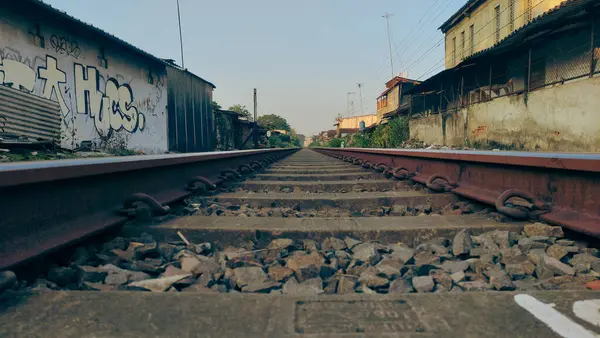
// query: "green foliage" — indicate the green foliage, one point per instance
point(390, 135)
point(336, 143)
point(359, 140)
point(273, 122)
point(215, 106)
point(242, 110)
point(283, 141)
point(285, 138)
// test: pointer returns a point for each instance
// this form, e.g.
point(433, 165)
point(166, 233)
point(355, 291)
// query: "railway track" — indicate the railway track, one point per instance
point(277, 243)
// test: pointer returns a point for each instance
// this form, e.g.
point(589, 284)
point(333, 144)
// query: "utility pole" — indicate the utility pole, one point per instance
point(255, 129)
point(348, 102)
point(389, 34)
point(180, 34)
point(362, 109)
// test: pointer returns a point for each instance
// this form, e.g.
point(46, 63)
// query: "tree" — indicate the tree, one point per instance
point(273, 122)
point(242, 110)
point(216, 106)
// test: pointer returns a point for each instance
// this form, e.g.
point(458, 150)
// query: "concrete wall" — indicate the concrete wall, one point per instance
point(427, 129)
point(121, 106)
point(484, 26)
point(554, 118)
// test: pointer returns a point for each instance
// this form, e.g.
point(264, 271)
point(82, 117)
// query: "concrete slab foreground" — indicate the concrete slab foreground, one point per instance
point(145, 314)
point(349, 201)
point(237, 231)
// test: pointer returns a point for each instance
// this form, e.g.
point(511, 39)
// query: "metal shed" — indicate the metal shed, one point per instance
point(191, 125)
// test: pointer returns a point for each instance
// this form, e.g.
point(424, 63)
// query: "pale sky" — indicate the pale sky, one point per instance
point(302, 56)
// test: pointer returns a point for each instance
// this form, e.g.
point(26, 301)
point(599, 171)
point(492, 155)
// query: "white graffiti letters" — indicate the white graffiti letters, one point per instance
point(53, 77)
point(124, 114)
point(87, 94)
point(17, 75)
point(111, 110)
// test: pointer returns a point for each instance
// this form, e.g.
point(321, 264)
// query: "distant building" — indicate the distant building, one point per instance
point(351, 125)
point(480, 24)
point(389, 100)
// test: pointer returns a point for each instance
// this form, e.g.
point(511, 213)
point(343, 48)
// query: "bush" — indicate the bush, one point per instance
point(335, 143)
point(359, 140)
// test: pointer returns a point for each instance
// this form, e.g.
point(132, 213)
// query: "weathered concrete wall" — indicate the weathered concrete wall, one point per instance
point(455, 128)
point(122, 105)
point(554, 118)
point(427, 129)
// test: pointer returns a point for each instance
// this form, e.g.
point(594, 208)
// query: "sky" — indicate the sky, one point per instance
point(302, 56)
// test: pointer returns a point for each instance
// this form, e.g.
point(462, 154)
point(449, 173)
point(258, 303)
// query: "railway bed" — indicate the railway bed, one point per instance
point(332, 242)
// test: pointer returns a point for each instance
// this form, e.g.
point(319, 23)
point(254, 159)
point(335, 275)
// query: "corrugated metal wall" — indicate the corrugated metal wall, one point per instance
point(28, 115)
point(191, 119)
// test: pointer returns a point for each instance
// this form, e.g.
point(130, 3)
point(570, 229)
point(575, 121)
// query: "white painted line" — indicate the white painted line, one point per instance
point(555, 320)
point(588, 310)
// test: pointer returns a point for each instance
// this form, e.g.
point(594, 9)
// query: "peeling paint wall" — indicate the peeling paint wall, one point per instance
point(427, 129)
point(455, 128)
point(554, 118)
point(106, 95)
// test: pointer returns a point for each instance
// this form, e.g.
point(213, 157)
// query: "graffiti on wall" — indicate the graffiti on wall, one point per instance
point(112, 110)
point(108, 102)
point(65, 46)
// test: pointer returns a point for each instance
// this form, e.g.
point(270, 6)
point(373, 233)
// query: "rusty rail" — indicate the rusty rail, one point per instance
point(47, 205)
point(559, 188)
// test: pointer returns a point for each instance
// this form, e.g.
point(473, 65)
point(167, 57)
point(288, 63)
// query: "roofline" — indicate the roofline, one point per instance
point(177, 67)
point(96, 30)
point(471, 5)
point(564, 9)
point(358, 116)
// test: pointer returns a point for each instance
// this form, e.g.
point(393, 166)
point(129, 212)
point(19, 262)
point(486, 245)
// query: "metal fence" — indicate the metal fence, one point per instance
point(571, 51)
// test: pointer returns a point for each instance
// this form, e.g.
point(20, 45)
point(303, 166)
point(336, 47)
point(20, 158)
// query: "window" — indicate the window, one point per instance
point(35, 36)
point(512, 15)
point(497, 10)
point(529, 10)
point(453, 51)
point(462, 45)
point(102, 61)
point(150, 77)
point(472, 37)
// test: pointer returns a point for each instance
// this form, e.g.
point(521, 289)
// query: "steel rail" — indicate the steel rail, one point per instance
point(47, 205)
point(560, 188)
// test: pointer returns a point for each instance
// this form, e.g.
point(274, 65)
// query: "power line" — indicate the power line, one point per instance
point(387, 20)
point(437, 43)
point(380, 68)
point(480, 29)
point(485, 38)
